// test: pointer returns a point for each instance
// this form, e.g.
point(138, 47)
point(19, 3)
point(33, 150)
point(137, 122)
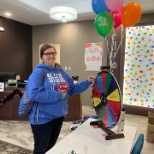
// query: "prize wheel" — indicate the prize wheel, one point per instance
point(107, 99)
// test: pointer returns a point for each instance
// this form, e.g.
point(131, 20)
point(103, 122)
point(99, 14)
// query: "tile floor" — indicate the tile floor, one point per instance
point(19, 132)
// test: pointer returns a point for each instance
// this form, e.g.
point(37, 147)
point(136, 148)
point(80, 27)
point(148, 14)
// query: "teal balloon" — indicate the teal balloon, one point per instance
point(104, 23)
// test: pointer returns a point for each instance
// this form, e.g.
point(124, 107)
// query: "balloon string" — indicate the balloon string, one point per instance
point(107, 44)
point(123, 33)
point(108, 51)
point(113, 51)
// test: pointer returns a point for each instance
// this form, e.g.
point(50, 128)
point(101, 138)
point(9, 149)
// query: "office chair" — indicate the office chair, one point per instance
point(138, 145)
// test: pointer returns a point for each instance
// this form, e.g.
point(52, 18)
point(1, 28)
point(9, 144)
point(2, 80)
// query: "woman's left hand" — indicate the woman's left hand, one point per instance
point(91, 78)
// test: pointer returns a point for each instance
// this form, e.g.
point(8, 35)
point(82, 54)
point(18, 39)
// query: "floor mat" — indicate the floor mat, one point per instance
point(8, 148)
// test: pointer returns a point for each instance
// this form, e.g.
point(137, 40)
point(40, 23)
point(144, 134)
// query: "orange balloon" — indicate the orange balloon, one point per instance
point(131, 14)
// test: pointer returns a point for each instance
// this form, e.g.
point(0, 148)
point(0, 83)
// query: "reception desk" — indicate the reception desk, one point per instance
point(9, 110)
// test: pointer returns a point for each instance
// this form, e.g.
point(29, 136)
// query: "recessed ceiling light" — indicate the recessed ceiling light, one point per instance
point(1, 29)
point(8, 14)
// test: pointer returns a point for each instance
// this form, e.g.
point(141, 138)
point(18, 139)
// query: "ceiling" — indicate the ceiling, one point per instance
point(36, 12)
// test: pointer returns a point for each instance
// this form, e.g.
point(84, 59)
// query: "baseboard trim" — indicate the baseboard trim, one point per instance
point(137, 110)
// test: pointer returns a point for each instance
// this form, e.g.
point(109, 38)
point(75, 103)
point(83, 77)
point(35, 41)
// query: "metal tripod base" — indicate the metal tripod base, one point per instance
point(110, 134)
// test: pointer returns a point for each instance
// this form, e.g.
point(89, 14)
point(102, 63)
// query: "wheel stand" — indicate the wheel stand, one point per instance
point(110, 134)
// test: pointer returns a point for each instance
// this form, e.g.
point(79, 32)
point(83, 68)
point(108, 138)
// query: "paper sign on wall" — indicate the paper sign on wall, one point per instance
point(93, 56)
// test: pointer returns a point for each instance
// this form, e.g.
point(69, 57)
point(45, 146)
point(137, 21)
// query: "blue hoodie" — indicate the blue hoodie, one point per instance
point(49, 104)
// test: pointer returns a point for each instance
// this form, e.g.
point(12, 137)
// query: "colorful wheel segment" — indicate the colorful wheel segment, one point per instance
point(107, 99)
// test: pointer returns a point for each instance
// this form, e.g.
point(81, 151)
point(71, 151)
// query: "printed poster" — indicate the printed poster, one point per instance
point(93, 56)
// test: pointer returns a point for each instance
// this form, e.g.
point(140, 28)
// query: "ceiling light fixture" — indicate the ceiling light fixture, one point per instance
point(63, 13)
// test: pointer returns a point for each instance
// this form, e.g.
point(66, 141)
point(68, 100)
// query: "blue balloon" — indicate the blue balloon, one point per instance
point(99, 6)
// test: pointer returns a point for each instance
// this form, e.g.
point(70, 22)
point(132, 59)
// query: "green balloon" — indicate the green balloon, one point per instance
point(104, 23)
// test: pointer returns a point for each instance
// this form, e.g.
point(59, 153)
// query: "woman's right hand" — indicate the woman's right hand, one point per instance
point(63, 93)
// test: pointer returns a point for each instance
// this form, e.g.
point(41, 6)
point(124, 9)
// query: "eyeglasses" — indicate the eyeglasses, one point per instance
point(50, 53)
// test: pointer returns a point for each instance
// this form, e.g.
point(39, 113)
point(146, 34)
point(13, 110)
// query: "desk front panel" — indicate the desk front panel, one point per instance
point(9, 110)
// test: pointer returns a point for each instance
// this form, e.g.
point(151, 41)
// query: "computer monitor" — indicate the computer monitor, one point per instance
point(5, 76)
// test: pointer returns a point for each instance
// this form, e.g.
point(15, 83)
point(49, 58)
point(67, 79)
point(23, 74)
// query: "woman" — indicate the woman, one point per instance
point(51, 95)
